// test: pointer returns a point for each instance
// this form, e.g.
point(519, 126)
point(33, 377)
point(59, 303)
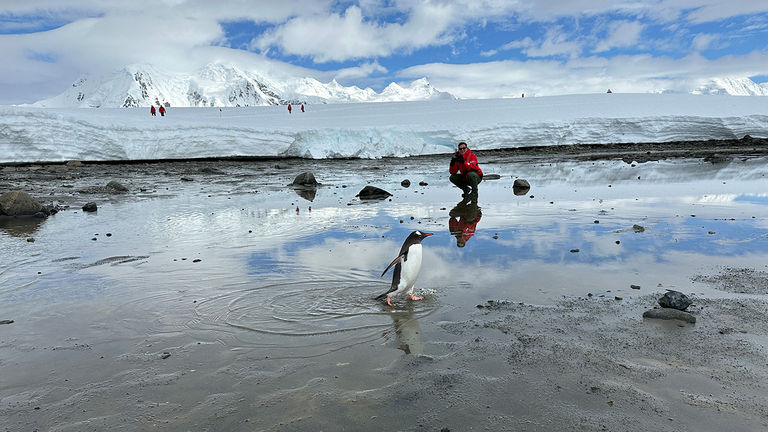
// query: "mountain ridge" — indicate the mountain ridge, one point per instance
point(221, 85)
point(228, 85)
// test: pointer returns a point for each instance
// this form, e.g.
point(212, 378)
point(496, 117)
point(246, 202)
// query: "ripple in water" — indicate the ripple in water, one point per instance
point(305, 318)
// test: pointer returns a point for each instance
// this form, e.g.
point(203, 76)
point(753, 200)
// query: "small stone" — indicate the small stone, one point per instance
point(405, 183)
point(574, 250)
point(675, 300)
point(165, 355)
point(90, 207)
point(373, 193)
point(305, 179)
point(635, 286)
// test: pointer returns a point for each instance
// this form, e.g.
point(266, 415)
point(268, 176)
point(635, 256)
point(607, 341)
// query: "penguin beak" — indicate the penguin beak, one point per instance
point(428, 234)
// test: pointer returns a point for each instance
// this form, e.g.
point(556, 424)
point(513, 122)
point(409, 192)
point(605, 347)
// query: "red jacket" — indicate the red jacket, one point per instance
point(469, 164)
point(464, 227)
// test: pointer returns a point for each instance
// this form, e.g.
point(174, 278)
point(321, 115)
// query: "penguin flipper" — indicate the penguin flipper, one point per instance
point(402, 257)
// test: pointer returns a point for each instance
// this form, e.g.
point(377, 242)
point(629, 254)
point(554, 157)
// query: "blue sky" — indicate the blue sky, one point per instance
point(490, 48)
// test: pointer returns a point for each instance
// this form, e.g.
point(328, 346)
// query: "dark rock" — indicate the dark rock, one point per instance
point(491, 177)
point(90, 207)
point(6, 321)
point(116, 187)
point(405, 183)
point(305, 179)
point(373, 193)
point(19, 203)
point(165, 355)
point(187, 179)
point(521, 187)
point(423, 183)
point(669, 314)
point(635, 286)
point(675, 300)
point(638, 228)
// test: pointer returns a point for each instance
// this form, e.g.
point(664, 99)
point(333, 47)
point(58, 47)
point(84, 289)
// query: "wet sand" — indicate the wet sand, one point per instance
point(211, 296)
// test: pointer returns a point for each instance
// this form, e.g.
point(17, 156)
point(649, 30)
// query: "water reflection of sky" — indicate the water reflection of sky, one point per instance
point(690, 211)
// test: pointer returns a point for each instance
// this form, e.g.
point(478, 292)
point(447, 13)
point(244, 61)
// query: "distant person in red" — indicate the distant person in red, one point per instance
point(152, 110)
point(463, 222)
point(289, 108)
point(302, 107)
point(465, 171)
point(162, 111)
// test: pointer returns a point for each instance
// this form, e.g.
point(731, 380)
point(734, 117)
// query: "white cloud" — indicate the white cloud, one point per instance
point(555, 43)
point(627, 74)
point(351, 35)
point(620, 34)
point(703, 41)
point(363, 70)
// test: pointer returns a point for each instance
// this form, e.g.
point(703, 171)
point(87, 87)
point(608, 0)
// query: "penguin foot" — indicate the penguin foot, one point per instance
point(389, 301)
point(414, 298)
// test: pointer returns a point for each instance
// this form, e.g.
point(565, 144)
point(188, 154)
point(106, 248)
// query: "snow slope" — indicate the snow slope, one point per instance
point(368, 130)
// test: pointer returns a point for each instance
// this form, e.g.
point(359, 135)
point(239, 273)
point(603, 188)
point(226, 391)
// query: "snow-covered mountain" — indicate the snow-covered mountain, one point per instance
point(732, 86)
point(220, 85)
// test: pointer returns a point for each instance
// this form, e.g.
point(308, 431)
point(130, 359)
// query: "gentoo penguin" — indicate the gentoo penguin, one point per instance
point(407, 267)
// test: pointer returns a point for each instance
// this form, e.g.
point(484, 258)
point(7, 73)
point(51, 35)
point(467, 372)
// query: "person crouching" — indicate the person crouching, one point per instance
point(465, 171)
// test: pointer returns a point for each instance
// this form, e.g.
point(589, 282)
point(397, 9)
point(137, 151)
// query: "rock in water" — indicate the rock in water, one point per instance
point(372, 192)
point(19, 203)
point(521, 187)
point(675, 300)
point(90, 207)
point(305, 179)
point(405, 183)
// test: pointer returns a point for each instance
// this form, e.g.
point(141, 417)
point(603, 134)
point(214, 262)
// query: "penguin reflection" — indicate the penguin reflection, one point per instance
point(407, 333)
point(464, 219)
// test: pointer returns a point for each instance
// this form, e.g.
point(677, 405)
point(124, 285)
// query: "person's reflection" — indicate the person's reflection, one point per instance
point(407, 332)
point(464, 219)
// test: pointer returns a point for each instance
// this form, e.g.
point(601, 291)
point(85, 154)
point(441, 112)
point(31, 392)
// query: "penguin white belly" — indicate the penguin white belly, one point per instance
point(409, 270)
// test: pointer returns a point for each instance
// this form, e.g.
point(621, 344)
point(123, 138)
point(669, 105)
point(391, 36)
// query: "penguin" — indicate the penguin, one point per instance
point(407, 267)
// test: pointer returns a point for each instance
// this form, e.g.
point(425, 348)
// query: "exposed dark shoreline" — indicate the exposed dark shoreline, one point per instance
point(642, 151)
